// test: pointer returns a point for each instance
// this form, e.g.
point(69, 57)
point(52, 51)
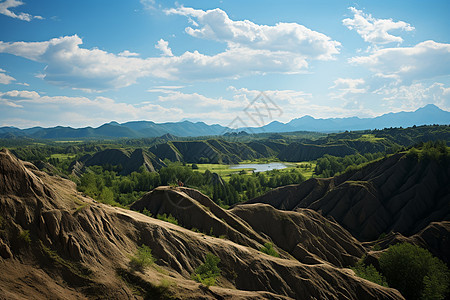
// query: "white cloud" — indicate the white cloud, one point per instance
point(170, 87)
point(69, 65)
point(15, 94)
point(127, 53)
point(278, 97)
point(148, 4)
point(375, 31)
point(425, 60)
point(5, 10)
point(349, 84)
point(5, 79)
point(76, 111)
point(163, 46)
point(72, 66)
point(9, 103)
point(347, 87)
point(414, 96)
point(291, 38)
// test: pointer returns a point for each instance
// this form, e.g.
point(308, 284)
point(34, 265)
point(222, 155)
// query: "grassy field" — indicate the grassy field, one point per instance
point(369, 138)
point(223, 170)
point(62, 156)
point(306, 168)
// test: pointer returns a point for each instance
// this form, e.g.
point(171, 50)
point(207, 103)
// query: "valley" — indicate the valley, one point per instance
point(78, 215)
point(224, 150)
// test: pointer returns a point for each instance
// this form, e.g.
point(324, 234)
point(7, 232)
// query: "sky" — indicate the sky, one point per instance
point(234, 63)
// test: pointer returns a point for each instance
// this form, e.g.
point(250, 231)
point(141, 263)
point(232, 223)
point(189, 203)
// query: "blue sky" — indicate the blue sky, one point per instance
point(85, 63)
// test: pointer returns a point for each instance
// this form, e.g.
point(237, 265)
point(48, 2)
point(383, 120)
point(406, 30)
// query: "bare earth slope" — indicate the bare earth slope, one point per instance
point(57, 244)
point(399, 194)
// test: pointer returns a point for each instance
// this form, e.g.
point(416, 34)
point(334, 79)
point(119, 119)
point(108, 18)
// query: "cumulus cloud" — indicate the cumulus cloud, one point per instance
point(163, 46)
point(375, 31)
point(425, 60)
point(5, 79)
point(127, 53)
point(6, 5)
point(251, 49)
point(283, 37)
point(70, 65)
point(75, 111)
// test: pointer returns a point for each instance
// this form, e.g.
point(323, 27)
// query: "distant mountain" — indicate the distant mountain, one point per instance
point(429, 114)
point(135, 129)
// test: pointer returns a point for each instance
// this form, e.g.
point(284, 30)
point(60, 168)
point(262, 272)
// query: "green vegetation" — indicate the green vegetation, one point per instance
point(415, 272)
point(337, 153)
point(74, 267)
point(411, 270)
point(207, 272)
point(268, 249)
point(369, 272)
point(328, 165)
point(146, 289)
point(143, 259)
point(432, 150)
point(166, 218)
point(121, 190)
point(24, 236)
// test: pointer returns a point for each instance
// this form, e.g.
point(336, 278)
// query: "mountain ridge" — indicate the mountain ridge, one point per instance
point(429, 114)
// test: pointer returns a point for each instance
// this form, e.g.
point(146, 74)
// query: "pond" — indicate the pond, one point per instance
point(260, 167)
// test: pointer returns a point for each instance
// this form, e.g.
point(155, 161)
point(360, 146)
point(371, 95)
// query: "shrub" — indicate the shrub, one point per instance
point(24, 235)
point(170, 218)
point(268, 249)
point(369, 273)
point(415, 272)
point(142, 259)
point(207, 272)
point(146, 212)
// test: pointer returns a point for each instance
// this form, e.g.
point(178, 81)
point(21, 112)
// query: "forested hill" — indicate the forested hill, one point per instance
point(229, 150)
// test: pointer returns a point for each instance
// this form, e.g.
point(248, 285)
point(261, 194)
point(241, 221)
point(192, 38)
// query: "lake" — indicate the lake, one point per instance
point(260, 167)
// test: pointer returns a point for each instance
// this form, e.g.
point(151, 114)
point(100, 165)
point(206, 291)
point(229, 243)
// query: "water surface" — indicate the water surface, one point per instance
point(260, 167)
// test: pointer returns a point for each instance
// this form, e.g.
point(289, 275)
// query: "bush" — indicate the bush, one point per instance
point(415, 272)
point(170, 218)
point(207, 272)
point(24, 235)
point(268, 249)
point(142, 259)
point(369, 273)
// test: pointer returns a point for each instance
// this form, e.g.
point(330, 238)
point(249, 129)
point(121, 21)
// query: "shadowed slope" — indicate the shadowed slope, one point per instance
point(400, 194)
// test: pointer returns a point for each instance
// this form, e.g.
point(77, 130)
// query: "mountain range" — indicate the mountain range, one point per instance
point(429, 114)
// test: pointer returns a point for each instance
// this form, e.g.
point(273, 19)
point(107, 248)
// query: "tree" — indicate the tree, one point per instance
point(207, 272)
point(142, 259)
point(415, 272)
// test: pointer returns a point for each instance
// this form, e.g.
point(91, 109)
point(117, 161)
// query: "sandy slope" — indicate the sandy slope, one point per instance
point(78, 248)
